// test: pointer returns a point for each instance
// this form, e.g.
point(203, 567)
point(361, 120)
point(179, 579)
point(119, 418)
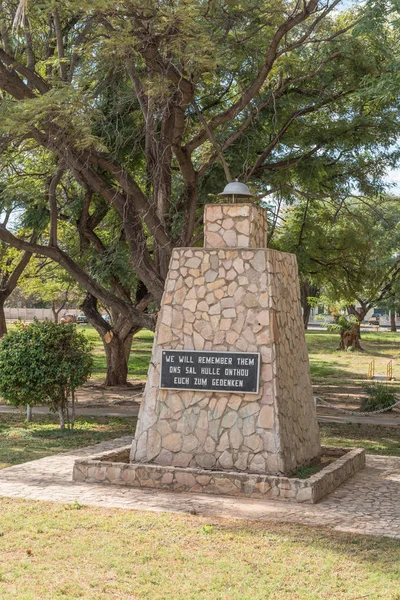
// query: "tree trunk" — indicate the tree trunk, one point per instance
point(393, 320)
point(306, 315)
point(117, 339)
point(9, 283)
point(60, 410)
point(359, 315)
point(128, 345)
point(72, 409)
point(117, 354)
point(54, 311)
point(3, 324)
point(350, 338)
point(307, 290)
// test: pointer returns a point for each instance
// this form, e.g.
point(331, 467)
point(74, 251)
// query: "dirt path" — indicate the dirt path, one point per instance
point(94, 394)
point(93, 399)
point(348, 397)
point(344, 396)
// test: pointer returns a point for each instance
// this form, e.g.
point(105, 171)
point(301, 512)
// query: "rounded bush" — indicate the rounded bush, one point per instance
point(44, 363)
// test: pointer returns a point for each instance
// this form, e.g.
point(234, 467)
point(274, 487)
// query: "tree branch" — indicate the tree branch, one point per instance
point(214, 142)
point(285, 127)
point(60, 45)
point(31, 76)
point(76, 272)
point(254, 88)
point(55, 180)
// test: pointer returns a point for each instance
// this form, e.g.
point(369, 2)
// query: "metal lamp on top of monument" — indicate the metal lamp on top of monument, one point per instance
point(236, 191)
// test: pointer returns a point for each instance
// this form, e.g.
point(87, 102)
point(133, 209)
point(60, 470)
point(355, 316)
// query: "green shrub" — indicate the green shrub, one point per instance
point(44, 363)
point(379, 395)
point(342, 323)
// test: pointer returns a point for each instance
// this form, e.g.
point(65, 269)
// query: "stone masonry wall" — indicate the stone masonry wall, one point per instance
point(112, 468)
point(235, 226)
point(298, 430)
point(231, 300)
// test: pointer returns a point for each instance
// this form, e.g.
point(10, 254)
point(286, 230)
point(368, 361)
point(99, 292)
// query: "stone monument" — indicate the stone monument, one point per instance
point(228, 405)
point(237, 305)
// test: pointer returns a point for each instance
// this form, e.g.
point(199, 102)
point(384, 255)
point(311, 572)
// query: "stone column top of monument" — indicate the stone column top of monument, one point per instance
point(241, 225)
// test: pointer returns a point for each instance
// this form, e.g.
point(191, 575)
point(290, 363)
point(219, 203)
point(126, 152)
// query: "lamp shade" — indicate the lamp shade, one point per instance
point(235, 188)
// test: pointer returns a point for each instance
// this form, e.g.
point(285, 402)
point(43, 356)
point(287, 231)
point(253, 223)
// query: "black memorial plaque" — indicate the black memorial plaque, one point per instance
point(210, 371)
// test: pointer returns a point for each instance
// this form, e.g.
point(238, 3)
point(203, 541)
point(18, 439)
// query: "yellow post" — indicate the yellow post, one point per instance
point(371, 369)
point(389, 371)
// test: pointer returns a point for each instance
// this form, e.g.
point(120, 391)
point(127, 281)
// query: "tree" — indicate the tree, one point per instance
point(308, 291)
point(101, 256)
point(44, 363)
point(148, 107)
point(47, 283)
point(349, 330)
point(391, 304)
point(12, 266)
point(348, 249)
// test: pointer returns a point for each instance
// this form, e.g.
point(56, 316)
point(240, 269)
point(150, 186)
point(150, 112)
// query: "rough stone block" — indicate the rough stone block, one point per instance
point(235, 226)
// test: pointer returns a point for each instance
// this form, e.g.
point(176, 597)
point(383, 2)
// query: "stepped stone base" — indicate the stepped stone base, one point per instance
point(114, 468)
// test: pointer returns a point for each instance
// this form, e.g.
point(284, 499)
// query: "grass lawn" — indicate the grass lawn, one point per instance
point(53, 551)
point(331, 367)
point(21, 441)
point(327, 366)
point(376, 439)
point(139, 358)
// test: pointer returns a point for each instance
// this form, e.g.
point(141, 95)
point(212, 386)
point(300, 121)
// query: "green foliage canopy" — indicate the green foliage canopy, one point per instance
point(148, 108)
point(348, 249)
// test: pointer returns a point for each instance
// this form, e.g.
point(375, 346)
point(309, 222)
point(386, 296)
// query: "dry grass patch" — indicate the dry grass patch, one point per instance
point(49, 551)
point(334, 368)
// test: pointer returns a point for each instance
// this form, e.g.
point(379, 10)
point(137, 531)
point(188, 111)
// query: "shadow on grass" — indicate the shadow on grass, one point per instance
point(381, 555)
point(322, 369)
point(323, 372)
point(376, 439)
point(159, 555)
point(332, 365)
point(21, 442)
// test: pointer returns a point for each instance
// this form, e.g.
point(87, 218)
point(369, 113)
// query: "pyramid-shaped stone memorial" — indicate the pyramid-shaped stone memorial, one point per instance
point(228, 405)
point(229, 382)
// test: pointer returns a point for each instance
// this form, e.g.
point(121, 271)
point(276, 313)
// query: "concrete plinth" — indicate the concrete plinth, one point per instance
point(115, 469)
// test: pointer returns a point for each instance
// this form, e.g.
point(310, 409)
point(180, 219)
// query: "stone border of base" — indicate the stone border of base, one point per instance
point(114, 468)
